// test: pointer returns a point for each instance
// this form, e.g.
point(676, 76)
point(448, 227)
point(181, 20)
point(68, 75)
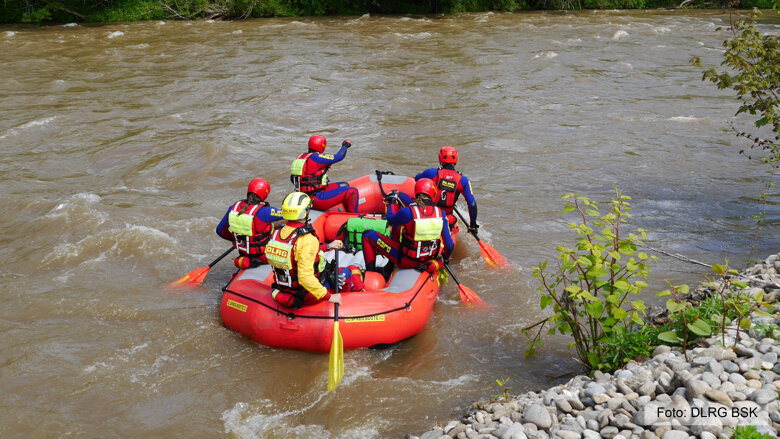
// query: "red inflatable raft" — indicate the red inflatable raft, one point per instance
point(383, 314)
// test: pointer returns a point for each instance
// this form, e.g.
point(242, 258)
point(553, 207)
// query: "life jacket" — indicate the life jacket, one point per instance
point(420, 238)
point(306, 180)
point(246, 239)
point(280, 253)
point(447, 182)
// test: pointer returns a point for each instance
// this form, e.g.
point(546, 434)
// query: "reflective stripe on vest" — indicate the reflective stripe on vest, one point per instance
point(280, 253)
point(423, 241)
point(447, 181)
point(242, 227)
point(304, 182)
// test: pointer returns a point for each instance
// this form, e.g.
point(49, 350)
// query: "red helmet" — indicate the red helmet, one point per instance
point(448, 154)
point(259, 187)
point(425, 186)
point(318, 143)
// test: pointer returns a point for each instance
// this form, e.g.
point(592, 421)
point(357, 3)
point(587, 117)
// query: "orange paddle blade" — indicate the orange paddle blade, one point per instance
point(192, 278)
point(470, 298)
point(493, 258)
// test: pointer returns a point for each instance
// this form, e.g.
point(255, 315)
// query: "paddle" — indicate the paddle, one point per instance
point(336, 360)
point(467, 296)
point(489, 254)
point(196, 276)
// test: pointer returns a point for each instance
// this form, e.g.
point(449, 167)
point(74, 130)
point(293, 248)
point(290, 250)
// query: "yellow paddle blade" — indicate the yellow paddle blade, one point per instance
point(493, 258)
point(470, 298)
point(192, 278)
point(336, 361)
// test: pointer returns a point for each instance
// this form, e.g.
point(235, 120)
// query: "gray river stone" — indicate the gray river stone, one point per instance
point(563, 405)
point(515, 431)
point(763, 397)
point(695, 388)
point(675, 434)
point(538, 415)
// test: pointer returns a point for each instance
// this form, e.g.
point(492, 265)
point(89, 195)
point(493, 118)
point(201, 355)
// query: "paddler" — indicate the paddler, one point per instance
point(417, 232)
point(450, 184)
point(309, 174)
point(297, 257)
point(248, 224)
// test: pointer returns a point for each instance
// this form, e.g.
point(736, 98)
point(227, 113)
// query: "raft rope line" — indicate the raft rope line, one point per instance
point(292, 315)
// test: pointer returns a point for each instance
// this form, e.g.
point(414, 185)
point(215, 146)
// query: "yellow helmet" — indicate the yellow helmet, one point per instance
point(296, 206)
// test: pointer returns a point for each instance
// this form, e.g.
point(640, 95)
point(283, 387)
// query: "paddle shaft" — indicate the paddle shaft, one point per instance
point(449, 270)
point(222, 256)
point(460, 215)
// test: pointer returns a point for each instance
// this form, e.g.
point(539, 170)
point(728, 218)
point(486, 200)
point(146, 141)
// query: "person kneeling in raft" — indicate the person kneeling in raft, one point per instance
point(297, 258)
point(309, 174)
point(417, 233)
point(249, 224)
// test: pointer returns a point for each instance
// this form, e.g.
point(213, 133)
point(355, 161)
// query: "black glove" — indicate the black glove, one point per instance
point(346, 143)
point(473, 227)
point(392, 197)
point(446, 260)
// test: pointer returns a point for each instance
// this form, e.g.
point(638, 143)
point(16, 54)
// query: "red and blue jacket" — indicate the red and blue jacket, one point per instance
point(449, 185)
point(399, 217)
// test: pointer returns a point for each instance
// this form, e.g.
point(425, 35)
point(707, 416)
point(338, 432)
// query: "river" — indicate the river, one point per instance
point(123, 145)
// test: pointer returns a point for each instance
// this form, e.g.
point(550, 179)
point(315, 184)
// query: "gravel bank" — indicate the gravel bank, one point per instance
point(663, 397)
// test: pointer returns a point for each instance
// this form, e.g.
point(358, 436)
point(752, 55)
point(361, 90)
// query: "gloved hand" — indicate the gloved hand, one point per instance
point(346, 143)
point(446, 260)
point(473, 227)
point(392, 197)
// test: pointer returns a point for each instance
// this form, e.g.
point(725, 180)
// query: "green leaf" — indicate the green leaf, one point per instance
point(669, 337)
point(613, 299)
point(745, 323)
point(596, 272)
point(567, 209)
point(700, 327)
point(683, 289)
point(674, 306)
point(636, 319)
point(546, 301)
point(595, 308)
point(739, 284)
point(664, 293)
point(622, 284)
point(585, 262)
point(627, 248)
point(640, 284)
point(619, 313)
point(638, 305)
point(573, 289)
point(592, 212)
point(593, 359)
point(615, 255)
point(719, 269)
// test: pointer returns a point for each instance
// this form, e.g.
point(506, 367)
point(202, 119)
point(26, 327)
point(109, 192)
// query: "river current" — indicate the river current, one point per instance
point(123, 145)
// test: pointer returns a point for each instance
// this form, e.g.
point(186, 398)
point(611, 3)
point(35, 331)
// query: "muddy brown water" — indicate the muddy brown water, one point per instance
point(123, 144)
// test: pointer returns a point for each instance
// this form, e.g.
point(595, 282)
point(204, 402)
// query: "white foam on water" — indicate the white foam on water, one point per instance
point(662, 29)
point(548, 55)
point(626, 65)
point(417, 36)
point(27, 125)
point(252, 424)
point(685, 119)
point(619, 35)
point(574, 40)
point(139, 46)
point(70, 25)
point(209, 21)
point(160, 23)
point(237, 32)
point(455, 382)
point(134, 349)
point(115, 34)
point(9, 34)
point(93, 367)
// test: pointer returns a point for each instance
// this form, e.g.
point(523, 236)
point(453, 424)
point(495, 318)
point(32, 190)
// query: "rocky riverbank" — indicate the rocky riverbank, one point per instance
point(666, 396)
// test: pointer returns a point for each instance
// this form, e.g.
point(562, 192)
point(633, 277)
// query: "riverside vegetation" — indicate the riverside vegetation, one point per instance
point(705, 365)
point(39, 11)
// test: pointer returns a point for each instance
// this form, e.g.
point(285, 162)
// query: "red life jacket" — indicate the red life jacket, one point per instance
point(447, 183)
point(313, 178)
point(422, 250)
point(290, 292)
point(251, 245)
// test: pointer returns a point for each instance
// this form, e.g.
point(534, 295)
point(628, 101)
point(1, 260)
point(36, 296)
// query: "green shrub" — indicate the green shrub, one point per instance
point(748, 432)
point(590, 285)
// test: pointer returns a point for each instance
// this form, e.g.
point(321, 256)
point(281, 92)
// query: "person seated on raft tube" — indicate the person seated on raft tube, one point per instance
point(418, 230)
point(297, 258)
point(309, 174)
point(249, 223)
point(450, 184)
